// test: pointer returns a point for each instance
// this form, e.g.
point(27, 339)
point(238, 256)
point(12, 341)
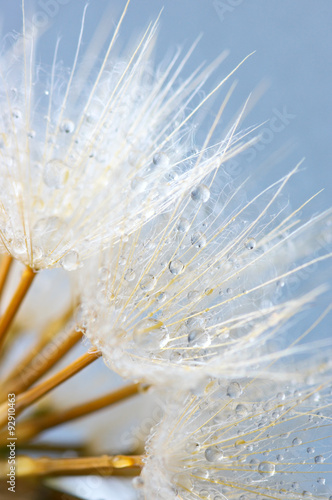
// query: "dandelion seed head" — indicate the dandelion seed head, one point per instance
point(198, 291)
point(207, 448)
point(90, 154)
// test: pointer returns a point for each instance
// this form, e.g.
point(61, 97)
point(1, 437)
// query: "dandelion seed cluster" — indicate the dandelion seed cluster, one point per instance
point(182, 279)
point(250, 439)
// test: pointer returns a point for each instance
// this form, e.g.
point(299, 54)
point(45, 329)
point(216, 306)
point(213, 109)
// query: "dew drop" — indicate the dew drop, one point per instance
point(176, 267)
point(161, 297)
point(148, 282)
point(130, 275)
point(200, 194)
point(241, 410)
point(70, 261)
point(319, 459)
point(234, 390)
point(198, 239)
point(150, 333)
point(250, 244)
point(104, 274)
point(266, 469)
point(183, 225)
point(193, 447)
point(199, 338)
point(214, 454)
point(55, 174)
point(67, 126)
point(296, 441)
point(310, 449)
point(17, 114)
point(161, 160)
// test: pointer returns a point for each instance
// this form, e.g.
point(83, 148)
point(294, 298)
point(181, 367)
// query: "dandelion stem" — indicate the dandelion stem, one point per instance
point(31, 427)
point(42, 363)
point(104, 465)
point(4, 270)
point(46, 338)
point(11, 310)
point(30, 396)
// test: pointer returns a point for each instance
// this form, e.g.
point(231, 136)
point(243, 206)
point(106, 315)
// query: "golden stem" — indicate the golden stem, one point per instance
point(104, 465)
point(47, 336)
point(31, 427)
point(4, 270)
point(30, 396)
point(42, 363)
point(12, 308)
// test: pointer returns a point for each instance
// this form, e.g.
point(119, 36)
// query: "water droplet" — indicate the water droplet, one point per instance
point(234, 390)
point(266, 469)
point(296, 441)
point(161, 160)
point(319, 459)
point(199, 338)
point(241, 410)
point(214, 454)
point(310, 449)
point(67, 126)
point(176, 266)
point(104, 274)
point(198, 239)
point(193, 447)
point(200, 194)
point(161, 297)
point(17, 114)
point(250, 244)
point(183, 225)
point(55, 174)
point(150, 333)
point(70, 261)
point(139, 184)
point(148, 282)
point(130, 275)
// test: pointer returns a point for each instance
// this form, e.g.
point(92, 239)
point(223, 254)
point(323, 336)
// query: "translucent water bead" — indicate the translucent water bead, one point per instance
point(176, 266)
point(266, 469)
point(161, 160)
point(250, 244)
point(214, 454)
point(200, 193)
point(183, 225)
point(198, 240)
point(148, 282)
point(67, 126)
point(199, 338)
point(55, 174)
point(150, 333)
point(70, 261)
point(234, 390)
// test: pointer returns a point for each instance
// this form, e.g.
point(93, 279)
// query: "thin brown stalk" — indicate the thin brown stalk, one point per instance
point(30, 396)
point(104, 465)
point(41, 364)
point(31, 427)
point(5, 266)
point(49, 333)
point(17, 299)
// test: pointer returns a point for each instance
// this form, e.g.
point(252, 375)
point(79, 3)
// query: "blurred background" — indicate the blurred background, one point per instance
point(288, 77)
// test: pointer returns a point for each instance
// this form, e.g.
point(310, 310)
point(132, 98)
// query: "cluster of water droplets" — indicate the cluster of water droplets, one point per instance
point(197, 288)
point(84, 162)
point(244, 440)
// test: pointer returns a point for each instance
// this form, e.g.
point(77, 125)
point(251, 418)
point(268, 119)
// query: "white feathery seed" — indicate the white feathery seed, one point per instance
point(90, 154)
point(247, 439)
point(203, 287)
